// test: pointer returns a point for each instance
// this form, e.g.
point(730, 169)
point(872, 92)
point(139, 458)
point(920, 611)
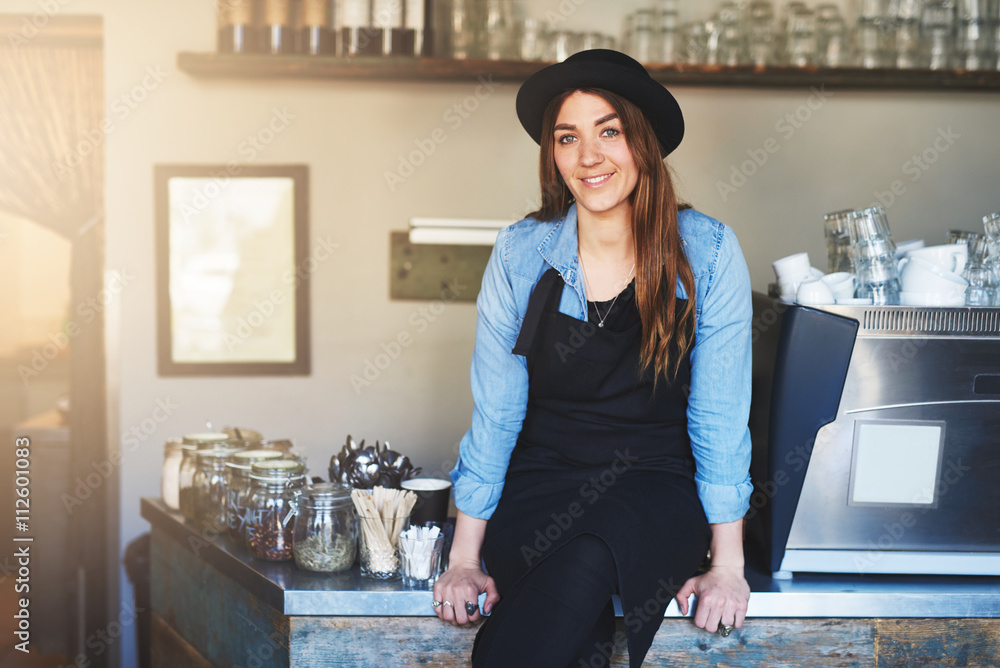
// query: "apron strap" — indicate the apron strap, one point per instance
point(546, 295)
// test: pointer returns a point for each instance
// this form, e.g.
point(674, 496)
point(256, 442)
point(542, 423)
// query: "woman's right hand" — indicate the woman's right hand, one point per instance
point(462, 582)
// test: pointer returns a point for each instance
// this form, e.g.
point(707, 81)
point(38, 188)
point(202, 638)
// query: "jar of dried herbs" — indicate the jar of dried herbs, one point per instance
point(275, 486)
point(326, 529)
point(191, 443)
point(238, 488)
point(209, 486)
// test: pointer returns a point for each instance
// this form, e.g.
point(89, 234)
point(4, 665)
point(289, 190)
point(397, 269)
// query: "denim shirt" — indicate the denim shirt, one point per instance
point(719, 399)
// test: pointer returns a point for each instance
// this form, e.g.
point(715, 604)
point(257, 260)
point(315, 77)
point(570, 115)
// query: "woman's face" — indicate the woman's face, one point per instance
point(592, 155)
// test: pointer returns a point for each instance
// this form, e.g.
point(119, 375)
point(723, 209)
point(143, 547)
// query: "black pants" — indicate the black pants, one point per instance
point(557, 614)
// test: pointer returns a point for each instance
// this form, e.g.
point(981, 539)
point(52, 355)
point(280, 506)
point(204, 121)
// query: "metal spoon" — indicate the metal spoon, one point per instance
point(364, 470)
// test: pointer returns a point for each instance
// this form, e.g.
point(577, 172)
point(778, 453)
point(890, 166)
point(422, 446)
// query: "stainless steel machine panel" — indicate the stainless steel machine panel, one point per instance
point(906, 478)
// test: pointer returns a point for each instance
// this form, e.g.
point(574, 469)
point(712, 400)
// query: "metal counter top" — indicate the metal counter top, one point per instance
point(295, 592)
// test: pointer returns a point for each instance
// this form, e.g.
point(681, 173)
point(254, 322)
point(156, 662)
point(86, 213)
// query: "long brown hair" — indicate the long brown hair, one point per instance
point(659, 255)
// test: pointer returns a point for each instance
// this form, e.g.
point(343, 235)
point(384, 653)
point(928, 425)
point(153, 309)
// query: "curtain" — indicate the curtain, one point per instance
point(51, 143)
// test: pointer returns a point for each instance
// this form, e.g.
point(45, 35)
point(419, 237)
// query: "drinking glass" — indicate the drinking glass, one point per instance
point(694, 39)
point(467, 27)
point(874, 255)
point(591, 40)
point(761, 40)
point(961, 236)
point(532, 40)
point(878, 279)
point(802, 43)
point(936, 25)
point(641, 46)
point(992, 225)
point(968, 10)
point(838, 241)
point(730, 47)
point(713, 36)
point(871, 227)
point(420, 551)
point(972, 44)
point(562, 45)
point(982, 290)
point(669, 39)
point(873, 9)
point(378, 546)
point(869, 43)
point(909, 45)
point(832, 39)
point(784, 30)
point(499, 28)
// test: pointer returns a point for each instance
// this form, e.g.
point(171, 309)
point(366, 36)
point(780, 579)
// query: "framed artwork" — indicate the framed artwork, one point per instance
point(232, 295)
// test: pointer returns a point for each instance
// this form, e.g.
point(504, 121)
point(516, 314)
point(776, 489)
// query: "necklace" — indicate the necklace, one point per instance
point(586, 280)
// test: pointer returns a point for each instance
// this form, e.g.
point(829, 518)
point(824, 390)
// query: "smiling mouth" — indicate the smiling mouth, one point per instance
point(597, 180)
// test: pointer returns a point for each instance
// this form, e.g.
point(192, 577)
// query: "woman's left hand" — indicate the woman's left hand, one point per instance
point(723, 595)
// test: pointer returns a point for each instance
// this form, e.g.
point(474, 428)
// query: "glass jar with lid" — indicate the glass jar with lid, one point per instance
point(191, 443)
point(209, 485)
point(316, 28)
point(285, 445)
point(274, 489)
point(238, 487)
point(326, 529)
point(173, 453)
point(238, 26)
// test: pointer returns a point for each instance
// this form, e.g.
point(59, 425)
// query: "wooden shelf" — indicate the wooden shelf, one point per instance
point(217, 65)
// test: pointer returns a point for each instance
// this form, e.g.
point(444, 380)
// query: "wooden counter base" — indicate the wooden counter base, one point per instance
point(202, 617)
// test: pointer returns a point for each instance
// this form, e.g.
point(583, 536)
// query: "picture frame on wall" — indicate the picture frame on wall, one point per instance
point(231, 244)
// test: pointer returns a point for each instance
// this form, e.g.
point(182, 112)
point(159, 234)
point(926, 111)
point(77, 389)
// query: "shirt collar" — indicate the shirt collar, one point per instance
point(559, 247)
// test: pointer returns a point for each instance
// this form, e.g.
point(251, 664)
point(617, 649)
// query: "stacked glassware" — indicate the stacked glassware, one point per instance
point(837, 230)
point(992, 225)
point(982, 290)
point(900, 34)
point(652, 34)
point(874, 256)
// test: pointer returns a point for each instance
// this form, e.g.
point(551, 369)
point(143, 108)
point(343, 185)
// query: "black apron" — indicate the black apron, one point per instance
point(600, 452)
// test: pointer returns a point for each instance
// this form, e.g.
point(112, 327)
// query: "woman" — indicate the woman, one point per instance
point(609, 447)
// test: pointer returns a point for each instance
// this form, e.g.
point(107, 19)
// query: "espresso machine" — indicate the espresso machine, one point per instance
point(876, 439)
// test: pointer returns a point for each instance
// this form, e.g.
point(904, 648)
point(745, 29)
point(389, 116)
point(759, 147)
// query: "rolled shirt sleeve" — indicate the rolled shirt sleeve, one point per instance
point(719, 400)
point(499, 390)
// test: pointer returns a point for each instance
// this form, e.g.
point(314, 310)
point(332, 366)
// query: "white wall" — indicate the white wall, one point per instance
point(350, 133)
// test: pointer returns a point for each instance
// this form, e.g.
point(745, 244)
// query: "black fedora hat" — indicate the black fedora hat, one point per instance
point(608, 70)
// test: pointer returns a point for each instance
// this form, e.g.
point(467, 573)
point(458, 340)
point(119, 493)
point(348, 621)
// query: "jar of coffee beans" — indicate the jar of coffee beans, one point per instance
point(238, 488)
point(275, 488)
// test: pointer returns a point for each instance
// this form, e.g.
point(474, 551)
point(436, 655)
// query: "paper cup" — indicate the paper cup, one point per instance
point(432, 499)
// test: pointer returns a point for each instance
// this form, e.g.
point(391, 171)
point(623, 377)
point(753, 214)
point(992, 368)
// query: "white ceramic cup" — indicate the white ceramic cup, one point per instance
point(950, 257)
point(931, 299)
point(791, 271)
point(905, 247)
point(814, 292)
point(920, 275)
point(841, 283)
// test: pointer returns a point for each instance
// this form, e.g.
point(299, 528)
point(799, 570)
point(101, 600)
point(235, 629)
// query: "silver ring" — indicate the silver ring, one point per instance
point(447, 603)
point(725, 630)
point(436, 604)
point(470, 608)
